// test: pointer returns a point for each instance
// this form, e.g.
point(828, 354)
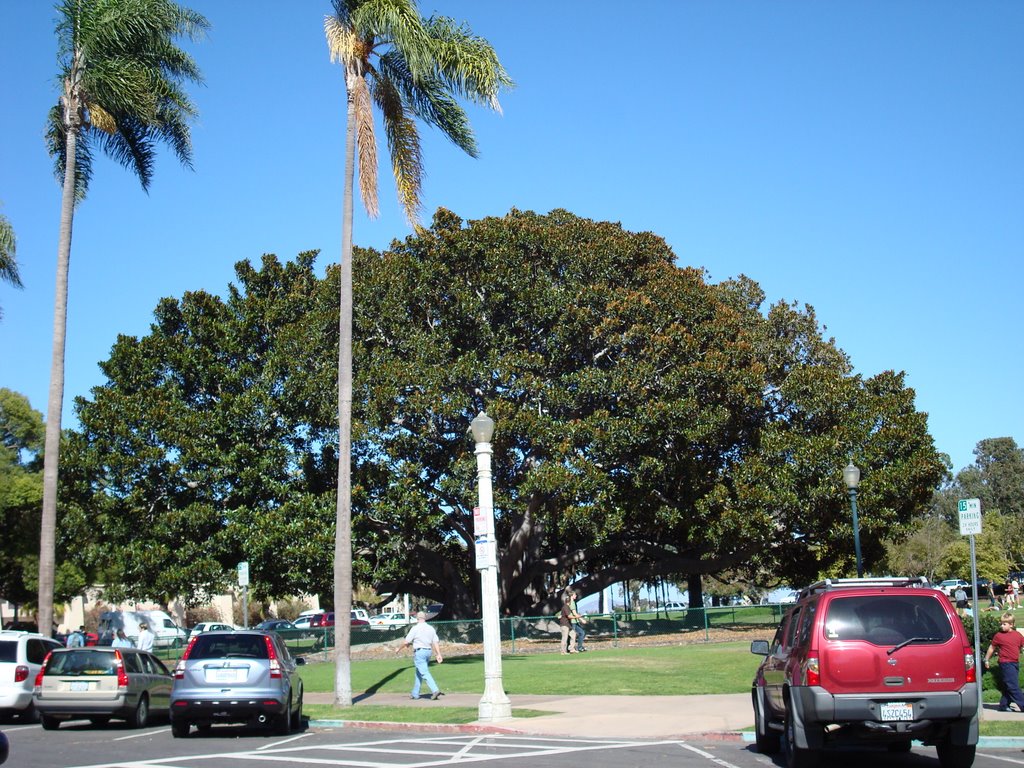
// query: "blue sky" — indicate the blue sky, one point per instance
point(865, 158)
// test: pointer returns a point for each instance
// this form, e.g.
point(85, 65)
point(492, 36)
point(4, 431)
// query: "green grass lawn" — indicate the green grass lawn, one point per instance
point(644, 671)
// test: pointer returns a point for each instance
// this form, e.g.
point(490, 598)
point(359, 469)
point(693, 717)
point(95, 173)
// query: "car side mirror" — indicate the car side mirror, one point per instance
point(760, 647)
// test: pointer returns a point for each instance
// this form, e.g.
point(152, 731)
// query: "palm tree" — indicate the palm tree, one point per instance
point(410, 67)
point(122, 78)
point(8, 246)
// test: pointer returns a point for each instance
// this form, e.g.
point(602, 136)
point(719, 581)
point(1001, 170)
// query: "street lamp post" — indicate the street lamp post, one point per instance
point(851, 476)
point(494, 705)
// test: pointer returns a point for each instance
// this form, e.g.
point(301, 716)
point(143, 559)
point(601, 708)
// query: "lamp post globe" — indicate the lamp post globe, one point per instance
point(851, 476)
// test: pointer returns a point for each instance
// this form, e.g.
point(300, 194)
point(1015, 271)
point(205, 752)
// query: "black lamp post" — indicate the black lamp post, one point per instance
point(851, 476)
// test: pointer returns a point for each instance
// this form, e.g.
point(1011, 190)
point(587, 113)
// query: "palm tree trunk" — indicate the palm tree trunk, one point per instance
point(55, 399)
point(343, 517)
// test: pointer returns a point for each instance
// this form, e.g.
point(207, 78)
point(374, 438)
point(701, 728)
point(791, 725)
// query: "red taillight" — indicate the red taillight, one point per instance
point(42, 670)
point(188, 648)
point(122, 675)
point(969, 668)
point(275, 665)
point(812, 671)
point(20, 673)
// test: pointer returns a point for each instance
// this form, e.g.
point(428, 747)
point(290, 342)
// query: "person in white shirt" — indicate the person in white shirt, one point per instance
point(423, 639)
point(146, 638)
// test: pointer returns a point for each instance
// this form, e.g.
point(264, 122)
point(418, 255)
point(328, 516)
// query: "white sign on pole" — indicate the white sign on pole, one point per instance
point(970, 516)
point(483, 523)
point(486, 552)
point(243, 574)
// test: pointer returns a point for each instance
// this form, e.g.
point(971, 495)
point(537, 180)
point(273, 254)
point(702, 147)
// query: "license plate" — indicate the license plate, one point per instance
point(79, 685)
point(896, 711)
point(222, 675)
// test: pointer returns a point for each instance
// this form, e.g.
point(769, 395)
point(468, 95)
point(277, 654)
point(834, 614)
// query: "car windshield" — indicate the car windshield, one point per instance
point(84, 662)
point(213, 646)
point(887, 620)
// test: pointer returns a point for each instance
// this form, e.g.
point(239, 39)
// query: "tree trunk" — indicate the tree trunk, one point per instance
point(55, 397)
point(695, 590)
point(343, 519)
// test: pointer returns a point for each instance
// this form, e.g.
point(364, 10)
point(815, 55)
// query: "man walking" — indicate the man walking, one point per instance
point(423, 639)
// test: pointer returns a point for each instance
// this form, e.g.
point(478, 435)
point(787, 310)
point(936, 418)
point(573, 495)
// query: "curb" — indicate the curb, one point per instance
point(478, 728)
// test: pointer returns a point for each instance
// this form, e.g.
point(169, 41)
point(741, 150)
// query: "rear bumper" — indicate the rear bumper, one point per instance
point(936, 714)
point(16, 699)
point(113, 706)
point(226, 710)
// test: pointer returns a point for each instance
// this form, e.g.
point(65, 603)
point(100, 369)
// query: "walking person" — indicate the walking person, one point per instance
point(146, 638)
point(1007, 644)
point(960, 596)
point(121, 640)
point(77, 638)
point(565, 624)
point(577, 622)
point(423, 639)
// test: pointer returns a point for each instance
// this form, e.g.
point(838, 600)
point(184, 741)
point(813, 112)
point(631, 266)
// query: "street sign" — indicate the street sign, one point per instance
point(970, 516)
point(486, 552)
point(243, 574)
point(483, 523)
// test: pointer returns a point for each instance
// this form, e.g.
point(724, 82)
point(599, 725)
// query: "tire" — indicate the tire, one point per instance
point(768, 742)
point(282, 724)
point(50, 723)
point(180, 728)
point(30, 714)
point(139, 717)
point(99, 720)
point(297, 715)
point(955, 755)
point(798, 757)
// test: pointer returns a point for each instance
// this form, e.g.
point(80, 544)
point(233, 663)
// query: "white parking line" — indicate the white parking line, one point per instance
point(1015, 761)
point(708, 755)
point(142, 733)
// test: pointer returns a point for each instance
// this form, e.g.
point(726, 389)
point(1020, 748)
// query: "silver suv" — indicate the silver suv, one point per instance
point(21, 656)
point(236, 677)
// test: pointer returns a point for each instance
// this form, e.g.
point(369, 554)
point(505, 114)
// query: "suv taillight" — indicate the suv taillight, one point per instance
point(275, 665)
point(20, 673)
point(969, 668)
point(122, 674)
point(812, 671)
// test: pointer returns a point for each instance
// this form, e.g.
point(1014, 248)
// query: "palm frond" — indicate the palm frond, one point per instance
point(404, 145)
point(8, 249)
point(467, 63)
point(366, 142)
point(131, 146)
point(341, 41)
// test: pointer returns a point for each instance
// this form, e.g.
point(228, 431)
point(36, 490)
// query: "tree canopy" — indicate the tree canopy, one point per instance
point(649, 424)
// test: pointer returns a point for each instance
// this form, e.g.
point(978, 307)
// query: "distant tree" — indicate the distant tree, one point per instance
point(8, 263)
point(923, 551)
point(412, 68)
point(21, 491)
point(121, 75)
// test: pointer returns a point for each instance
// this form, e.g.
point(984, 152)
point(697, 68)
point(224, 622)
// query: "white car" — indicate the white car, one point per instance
point(21, 656)
point(303, 621)
point(391, 620)
point(210, 626)
point(949, 586)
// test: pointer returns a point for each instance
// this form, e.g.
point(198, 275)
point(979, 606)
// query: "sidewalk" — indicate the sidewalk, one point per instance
point(720, 716)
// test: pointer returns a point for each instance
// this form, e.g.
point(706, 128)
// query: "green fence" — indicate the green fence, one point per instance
point(522, 632)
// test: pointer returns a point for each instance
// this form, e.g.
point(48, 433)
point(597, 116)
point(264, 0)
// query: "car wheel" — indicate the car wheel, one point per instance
point(180, 728)
point(901, 746)
point(99, 720)
point(798, 757)
point(140, 716)
point(30, 714)
point(50, 723)
point(283, 722)
point(955, 755)
point(297, 715)
point(768, 742)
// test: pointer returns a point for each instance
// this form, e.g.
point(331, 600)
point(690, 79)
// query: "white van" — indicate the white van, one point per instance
point(168, 634)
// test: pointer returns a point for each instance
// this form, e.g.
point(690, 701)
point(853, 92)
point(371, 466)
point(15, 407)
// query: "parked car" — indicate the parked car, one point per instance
point(21, 657)
point(674, 607)
point(209, 626)
point(275, 625)
point(862, 661)
point(303, 622)
point(100, 684)
point(391, 620)
point(789, 598)
point(949, 586)
point(321, 620)
point(230, 677)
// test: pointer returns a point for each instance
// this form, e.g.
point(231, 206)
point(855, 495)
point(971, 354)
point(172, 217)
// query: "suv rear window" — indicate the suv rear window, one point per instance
point(228, 646)
point(9, 650)
point(887, 619)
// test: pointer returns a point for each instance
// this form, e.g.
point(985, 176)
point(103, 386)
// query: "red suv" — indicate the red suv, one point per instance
point(861, 661)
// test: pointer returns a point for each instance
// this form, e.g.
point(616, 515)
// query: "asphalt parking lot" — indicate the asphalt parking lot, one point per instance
point(82, 745)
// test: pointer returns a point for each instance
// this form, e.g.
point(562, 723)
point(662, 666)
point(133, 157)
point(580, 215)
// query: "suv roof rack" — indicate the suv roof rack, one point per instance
point(883, 581)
